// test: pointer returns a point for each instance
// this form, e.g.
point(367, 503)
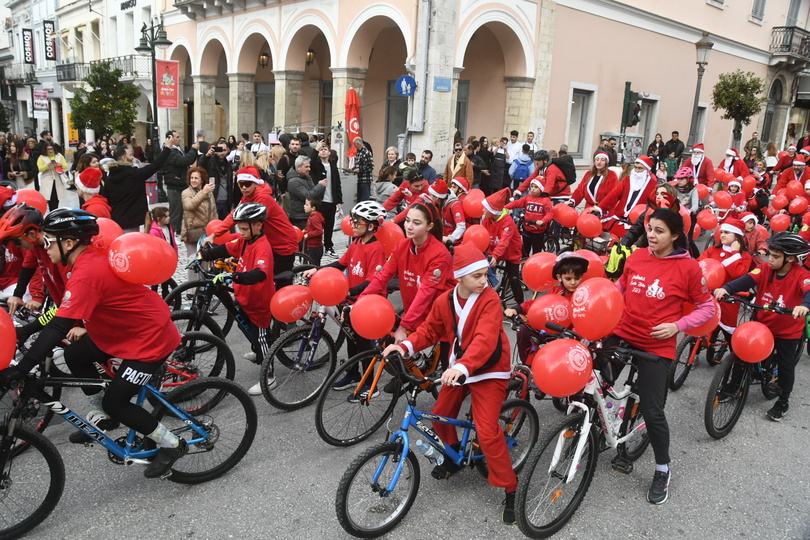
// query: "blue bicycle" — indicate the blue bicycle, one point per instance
point(216, 417)
point(380, 486)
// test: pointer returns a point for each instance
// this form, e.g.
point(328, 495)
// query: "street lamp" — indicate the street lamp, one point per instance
point(154, 37)
point(703, 49)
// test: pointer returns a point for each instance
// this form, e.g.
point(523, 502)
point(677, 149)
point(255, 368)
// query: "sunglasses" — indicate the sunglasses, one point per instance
point(48, 241)
point(245, 184)
point(457, 150)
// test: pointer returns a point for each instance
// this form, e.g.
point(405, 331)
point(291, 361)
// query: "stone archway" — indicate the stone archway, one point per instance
point(210, 104)
point(252, 87)
point(180, 119)
point(775, 98)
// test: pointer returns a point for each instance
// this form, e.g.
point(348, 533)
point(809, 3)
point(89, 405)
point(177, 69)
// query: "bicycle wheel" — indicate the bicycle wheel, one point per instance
point(301, 364)
point(552, 244)
point(683, 363)
point(35, 415)
point(175, 296)
point(770, 386)
point(634, 448)
point(726, 397)
point(31, 483)
point(520, 425)
point(226, 412)
point(302, 259)
point(545, 501)
point(363, 508)
point(186, 320)
point(343, 418)
point(198, 355)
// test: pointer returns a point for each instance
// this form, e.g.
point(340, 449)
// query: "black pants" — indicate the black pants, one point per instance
point(533, 243)
point(513, 275)
point(787, 357)
point(328, 210)
point(283, 263)
point(131, 375)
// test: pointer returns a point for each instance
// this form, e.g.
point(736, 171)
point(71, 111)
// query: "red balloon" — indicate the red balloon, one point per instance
point(373, 316)
point(723, 199)
point(780, 191)
point(779, 202)
point(696, 232)
point(702, 190)
point(783, 154)
point(636, 212)
point(748, 184)
point(707, 220)
point(8, 339)
point(596, 268)
point(769, 211)
point(567, 216)
point(291, 303)
point(562, 367)
point(714, 272)
point(537, 271)
point(473, 204)
point(142, 258)
point(108, 230)
point(346, 226)
point(550, 308)
point(212, 226)
point(389, 235)
point(299, 235)
point(34, 198)
point(793, 189)
point(329, 286)
point(596, 308)
point(752, 342)
point(780, 222)
point(478, 235)
point(708, 326)
point(589, 225)
point(717, 236)
point(763, 231)
point(797, 205)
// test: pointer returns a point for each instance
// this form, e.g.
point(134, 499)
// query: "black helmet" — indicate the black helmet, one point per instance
point(789, 244)
point(570, 257)
point(251, 211)
point(71, 223)
point(541, 155)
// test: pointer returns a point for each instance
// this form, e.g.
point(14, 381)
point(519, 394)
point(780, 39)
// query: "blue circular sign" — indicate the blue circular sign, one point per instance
point(406, 86)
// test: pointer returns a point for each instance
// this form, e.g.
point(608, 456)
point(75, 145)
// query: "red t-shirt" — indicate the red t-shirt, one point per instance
point(787, 291)
point(13, 265)
point(125, 320)
point(655, 290)
point(54, 276)
point(363, 261)
point(254, 299)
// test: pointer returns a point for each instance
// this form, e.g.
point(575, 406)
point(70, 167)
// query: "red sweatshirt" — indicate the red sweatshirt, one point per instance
point(505, 241)
point(314, 230)
point(254, 299)
point(363, 261)
point(277, 226)
point(537, 209)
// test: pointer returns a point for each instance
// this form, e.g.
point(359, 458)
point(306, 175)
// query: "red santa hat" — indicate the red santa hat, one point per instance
point(438, 189)
point(89, 180)
point(647, 161)
point(603, 154)
point(461, 182)
point(745, 217)
point(735, 183)
point(733, 225)
point(799, 161)
point(732, 152)
point(495, 202)
point(698, 148)
point(467, 259)
point(537, 181)
point(7, 196)
point(805, 151)
point(249, 174)
point(792, 147)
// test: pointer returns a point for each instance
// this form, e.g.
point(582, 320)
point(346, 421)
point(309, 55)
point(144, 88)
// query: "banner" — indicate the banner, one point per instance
point(28, 45)
point(73, 133)
point(168, 87)
point(40, 104)
point(352, 106)
point(49, 32)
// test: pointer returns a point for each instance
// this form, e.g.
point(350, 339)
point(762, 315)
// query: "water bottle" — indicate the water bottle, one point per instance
point(430, 452)
point(615, 415)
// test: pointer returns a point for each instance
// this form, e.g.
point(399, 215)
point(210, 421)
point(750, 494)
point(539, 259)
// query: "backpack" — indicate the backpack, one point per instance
point(522, 170)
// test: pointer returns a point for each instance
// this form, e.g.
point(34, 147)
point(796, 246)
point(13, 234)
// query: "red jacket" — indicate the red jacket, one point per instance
point(617, 203)
point(98, 206)
point(404, 193)
point(314, 230)
point(453, 218)
point(254, 299)
point(505, 241)
point(736, 265)
point(554, 182)
point(12, 266)
point(704, 173)
point(277, 226)
point(593, 195)
point(738, 167)
point(537, 209)
point(788, 175)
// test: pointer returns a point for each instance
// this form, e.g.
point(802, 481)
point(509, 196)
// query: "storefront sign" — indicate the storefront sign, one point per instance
point(28, 45)
point(40, 104)
point(49, 31)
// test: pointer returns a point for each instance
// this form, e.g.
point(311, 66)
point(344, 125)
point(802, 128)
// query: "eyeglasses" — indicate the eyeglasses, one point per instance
point(48, 241)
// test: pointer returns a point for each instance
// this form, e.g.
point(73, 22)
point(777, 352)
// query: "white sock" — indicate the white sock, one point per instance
point(662, 468)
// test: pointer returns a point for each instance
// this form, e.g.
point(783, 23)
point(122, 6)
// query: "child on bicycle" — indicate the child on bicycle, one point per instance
point(754, 241)
point(121, 320)
point(313, 232)
point(159, 225)
point(505, 241)
point(253, 280)
point(536, 217)
point(784, 282)
point(22, 225)
point(568, 270)
point(364, 258)
point(470, 313)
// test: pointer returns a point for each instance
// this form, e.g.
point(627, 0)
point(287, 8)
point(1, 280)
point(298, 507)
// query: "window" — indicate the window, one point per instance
point(462, 106)
point(578, 121)
point(758, 10)
point(720, 4)
point(793, 13)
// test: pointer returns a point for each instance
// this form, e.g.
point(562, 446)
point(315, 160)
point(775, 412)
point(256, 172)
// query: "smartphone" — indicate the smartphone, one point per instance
point(211, 181)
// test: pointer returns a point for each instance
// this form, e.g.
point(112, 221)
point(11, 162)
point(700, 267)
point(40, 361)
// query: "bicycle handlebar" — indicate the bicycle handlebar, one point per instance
point(732, 299)
point(410, 377)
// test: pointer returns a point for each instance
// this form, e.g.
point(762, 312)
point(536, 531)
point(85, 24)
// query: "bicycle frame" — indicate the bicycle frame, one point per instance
point(227, 301)
point(375, 375)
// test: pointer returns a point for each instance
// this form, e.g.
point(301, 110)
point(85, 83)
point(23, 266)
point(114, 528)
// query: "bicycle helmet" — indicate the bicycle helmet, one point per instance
point(789, 244)
point(71, 223)
point(250, 212)
point(541, 155)
point(570, 258)
point(18, 220)
point(684, 172)
point(370, 211)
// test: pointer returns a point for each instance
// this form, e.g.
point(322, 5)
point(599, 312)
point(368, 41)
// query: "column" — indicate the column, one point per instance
point(289, 92)
point(542, 86)
point(342, 80)
point(205, 87)
point(518, 104)
point(454, 103)
point(241, 103)
point(176, 116)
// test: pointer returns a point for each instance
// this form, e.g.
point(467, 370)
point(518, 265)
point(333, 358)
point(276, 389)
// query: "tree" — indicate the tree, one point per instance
point(739, 95)
point(4, 119)
point(105, 104)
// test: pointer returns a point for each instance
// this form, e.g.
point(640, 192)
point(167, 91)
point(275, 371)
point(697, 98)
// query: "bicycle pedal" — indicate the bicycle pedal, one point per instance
point(621, 465)
point(166, 475)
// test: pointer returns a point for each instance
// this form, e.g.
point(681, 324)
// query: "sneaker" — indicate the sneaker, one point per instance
point(362, 395)
point(161, 466)
point(778, 411)
point(100, 420)
point(659, 489)
point(331, 253)
point(508, 515)
point(251, 356)
point(391, 386)
point(445, 470)
point(256, 389)
point(349, 380)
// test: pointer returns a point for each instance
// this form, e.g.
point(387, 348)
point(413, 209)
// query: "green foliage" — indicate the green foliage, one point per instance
point(105, 104)
point(4, 126)
point(739, 95)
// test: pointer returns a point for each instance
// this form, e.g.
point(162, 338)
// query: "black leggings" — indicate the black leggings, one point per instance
point(128, 380)
point(513, 275)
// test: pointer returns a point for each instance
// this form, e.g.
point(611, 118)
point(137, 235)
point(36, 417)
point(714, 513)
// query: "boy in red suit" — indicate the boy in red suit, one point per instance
point(471, 313)
point(754, 241)
point(505, 241)
point(536, 217)
point(453, 220)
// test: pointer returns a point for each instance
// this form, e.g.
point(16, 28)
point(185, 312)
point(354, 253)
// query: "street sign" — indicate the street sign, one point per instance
point(406, 86)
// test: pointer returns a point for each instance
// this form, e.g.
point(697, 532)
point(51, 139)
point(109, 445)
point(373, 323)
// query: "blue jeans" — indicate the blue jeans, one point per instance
point(363, 191)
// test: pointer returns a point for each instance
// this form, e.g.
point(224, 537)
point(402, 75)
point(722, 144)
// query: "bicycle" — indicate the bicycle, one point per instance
point(559, 470)
point(380, 485)
point(32, 482)
point(522, 382)
point(729, 388)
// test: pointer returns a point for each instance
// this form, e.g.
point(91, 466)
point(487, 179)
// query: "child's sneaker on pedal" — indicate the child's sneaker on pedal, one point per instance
point(100, 420)
point(250, 357)
point(445, 470)
point(659, 489)
point(778, 411)
point(256, 389)
point(165, 458)
point(508, 515)
point(349, 380)
point(362, 395)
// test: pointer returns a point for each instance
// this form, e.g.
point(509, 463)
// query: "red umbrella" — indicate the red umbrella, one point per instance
point(352, 119)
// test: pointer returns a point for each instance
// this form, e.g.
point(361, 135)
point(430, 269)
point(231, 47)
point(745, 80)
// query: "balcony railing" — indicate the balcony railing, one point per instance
point(72, 72)
point(200, 9)
point(133, 66)
point(790, 40)
point(20, 74)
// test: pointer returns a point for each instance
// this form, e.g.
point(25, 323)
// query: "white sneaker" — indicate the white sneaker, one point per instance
point(251, 356)
point(256, 389)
